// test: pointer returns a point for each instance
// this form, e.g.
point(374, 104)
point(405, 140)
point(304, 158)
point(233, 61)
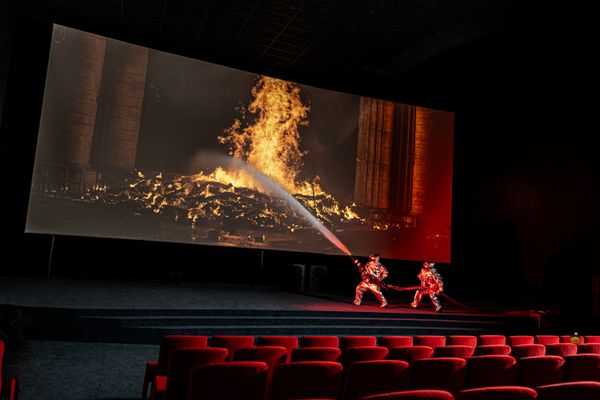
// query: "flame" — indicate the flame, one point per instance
point(266, 136)
point(271, 141)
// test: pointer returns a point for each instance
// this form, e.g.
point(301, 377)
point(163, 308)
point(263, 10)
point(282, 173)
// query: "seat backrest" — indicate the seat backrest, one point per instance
point(366, 378)
point(528, 350)
point(547, 339)
point(181, 363)
point(271, 355)
point(498, 393)
point(492, 350)
point(585, 390)
point(561, 349)
point(592, 339)
point(432, 341)
point(307, 379)
point(230, 380)
point(365, 353)
point(231, 343)
point(491, 370)
point(538, 371)
point(316, 354)
point(172, 342)
point(582, 367)
point(410, 354)
point(1, 364)
point(422, 394)
point(459, 351)
point(588, 348)
point(439, 373)
point(489, 340)
point(395, 341)
point(518, 340)
point(462, 340)
point(320, 341)
point(357, 341)
point(572, 339)
point(289, 342)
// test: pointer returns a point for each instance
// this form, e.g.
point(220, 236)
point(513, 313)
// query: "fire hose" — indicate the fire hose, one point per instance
point(410, 288)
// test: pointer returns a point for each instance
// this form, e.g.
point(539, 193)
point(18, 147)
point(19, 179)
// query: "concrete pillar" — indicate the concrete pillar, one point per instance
point(69, 112)
point(120, 109)
point(70, 100)
point(384, 162)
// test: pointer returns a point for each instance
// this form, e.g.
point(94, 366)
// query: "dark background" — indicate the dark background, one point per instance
point(525, 195)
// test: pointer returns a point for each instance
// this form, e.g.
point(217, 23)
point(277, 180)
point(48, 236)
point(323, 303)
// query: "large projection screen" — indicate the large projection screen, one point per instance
point(141, 144)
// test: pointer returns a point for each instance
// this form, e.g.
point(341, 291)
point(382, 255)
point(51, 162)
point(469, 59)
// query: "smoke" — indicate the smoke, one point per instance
point(205, 161)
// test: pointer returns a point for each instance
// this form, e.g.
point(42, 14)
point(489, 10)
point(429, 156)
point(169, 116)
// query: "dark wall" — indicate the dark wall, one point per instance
point(525, 214)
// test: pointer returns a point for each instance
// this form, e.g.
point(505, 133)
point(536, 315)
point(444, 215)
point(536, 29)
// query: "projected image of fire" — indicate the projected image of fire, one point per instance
point(229, 200)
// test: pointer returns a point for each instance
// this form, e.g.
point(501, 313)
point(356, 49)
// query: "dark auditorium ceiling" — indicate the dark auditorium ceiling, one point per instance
point(320, 41)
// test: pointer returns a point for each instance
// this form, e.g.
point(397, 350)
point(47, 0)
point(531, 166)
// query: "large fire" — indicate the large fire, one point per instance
point(266, 136)
point(271, 142)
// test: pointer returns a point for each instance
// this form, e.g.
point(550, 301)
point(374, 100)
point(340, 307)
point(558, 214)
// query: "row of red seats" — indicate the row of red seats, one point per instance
point(395, 341)
point(203, 374)
point(561, 391)
point(500, 368)
point(9, 387)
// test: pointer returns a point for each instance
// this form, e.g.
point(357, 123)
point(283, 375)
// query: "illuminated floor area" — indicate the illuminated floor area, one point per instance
point(95, 294)
point(140, 313)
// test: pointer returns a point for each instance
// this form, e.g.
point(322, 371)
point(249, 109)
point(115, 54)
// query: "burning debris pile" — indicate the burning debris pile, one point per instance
point(265, 136)
point(204, 200)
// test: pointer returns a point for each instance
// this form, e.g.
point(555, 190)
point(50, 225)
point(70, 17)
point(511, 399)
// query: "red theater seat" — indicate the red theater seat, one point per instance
point(539, 371)
point(413, 395)
point(270, 355)
point(431, 341)
point(461, 340)
point(519, 340)
point(229, 381)
point(289, 342)
point(568, 339)
point(375, 377)
point(570, 391)
point(588, 348)
point(561, 349)
point(320, 341)
point(493, 370)
point(547, 339)
point(492, 340)
point(174, 386)
point(316, 354)
point(395, 341)
point(528, 350)
point(307, 379)
point(592, 339)
point(454, 351)
point(357, 341)
point(167, 344)
point(439, 373)
point(498, 393)
point(9, 389)
point(410, 354)
point(492, 350)
point(582, 367)
point(231, 343)
point(366, 353)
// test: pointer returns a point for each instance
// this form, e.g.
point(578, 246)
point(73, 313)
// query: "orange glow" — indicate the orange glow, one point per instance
point(271, 142)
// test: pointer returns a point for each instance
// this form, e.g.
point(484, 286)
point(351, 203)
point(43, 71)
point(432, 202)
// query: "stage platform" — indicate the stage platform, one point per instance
point(140, 312)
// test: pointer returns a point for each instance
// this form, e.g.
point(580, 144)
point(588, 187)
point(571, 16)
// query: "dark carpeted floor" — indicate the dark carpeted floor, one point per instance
point(68, 370)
